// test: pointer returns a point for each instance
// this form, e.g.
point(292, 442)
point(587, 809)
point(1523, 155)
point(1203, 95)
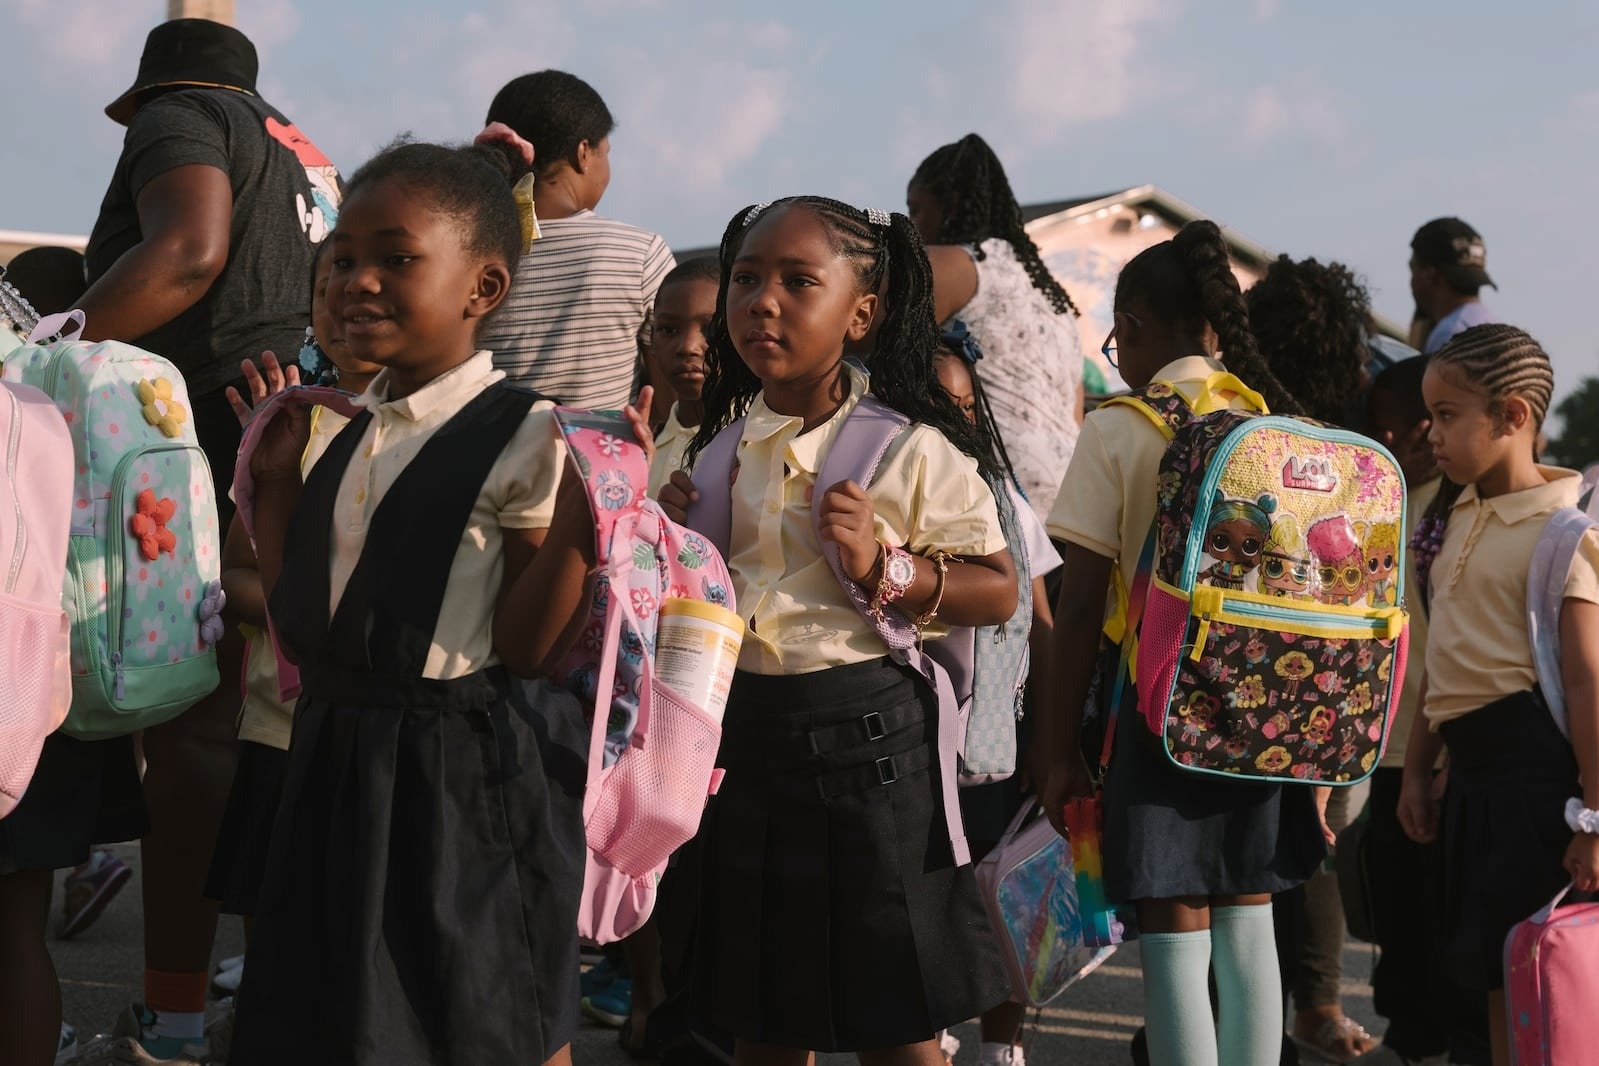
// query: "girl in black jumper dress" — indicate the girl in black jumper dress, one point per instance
point(420, 902)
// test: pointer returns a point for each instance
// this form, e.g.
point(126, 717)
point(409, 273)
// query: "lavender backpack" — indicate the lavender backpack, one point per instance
point(978, 674)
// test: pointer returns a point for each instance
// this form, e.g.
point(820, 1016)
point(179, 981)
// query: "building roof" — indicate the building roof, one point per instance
point(13, 241)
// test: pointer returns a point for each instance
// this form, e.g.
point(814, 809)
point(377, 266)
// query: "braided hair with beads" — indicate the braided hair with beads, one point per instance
point(888, 259)
point(1499, 361)
point(967, 179)
point(1189, 282)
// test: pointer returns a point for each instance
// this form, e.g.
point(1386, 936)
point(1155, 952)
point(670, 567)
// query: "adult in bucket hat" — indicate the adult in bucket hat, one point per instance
point(1448, 268)
point(202, 252)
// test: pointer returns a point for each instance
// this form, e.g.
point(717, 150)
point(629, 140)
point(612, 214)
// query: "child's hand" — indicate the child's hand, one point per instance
point(277, 379)
point(1068, 779)
point(277, 456)
point(638, 413)
point(848, 520)
point(1323, 794)
point(676, 495)
point(1418, 809)
point(1582, 861)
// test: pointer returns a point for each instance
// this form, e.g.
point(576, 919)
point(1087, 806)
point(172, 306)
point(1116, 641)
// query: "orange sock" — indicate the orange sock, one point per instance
point(178, 1001)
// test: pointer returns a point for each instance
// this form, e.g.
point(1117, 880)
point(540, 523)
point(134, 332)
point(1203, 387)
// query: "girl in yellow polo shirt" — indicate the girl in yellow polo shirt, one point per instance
point(1518, 791)
point(1200, 857)
point(833, 914)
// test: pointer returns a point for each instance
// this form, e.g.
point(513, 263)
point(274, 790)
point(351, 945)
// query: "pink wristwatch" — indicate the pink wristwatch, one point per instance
point(898, 574)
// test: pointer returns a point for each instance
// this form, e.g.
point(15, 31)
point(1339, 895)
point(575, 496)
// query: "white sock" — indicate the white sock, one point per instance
point(178, 1025)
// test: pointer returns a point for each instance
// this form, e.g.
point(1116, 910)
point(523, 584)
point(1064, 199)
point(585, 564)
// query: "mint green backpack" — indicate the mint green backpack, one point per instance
point(144, 558)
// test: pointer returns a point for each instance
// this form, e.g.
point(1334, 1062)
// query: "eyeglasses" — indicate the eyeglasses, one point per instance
point(1279, 566)
point(1351, 576)
point(1108, 350)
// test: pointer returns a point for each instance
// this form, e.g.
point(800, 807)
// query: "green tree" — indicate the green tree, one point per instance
point(1578, 443)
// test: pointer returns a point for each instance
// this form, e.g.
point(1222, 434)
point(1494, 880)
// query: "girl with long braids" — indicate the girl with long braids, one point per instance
point(1522, 787)
point(1199, 857)
point(988, 273)
point(834, 915)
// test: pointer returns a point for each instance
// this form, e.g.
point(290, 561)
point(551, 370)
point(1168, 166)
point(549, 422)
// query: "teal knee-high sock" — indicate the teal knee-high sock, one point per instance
point(1249, 994)
point(1177, 1018)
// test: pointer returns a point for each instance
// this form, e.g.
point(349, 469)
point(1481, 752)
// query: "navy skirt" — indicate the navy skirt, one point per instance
point(83, 793)
point(833, 917)
point(1172, 833)
point(1504, 830)
point(238, 862)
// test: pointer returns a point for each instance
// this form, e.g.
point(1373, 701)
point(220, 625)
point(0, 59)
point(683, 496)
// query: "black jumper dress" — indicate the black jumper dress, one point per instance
point(420, 901)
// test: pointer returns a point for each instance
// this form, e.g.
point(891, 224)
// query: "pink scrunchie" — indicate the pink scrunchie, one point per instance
point(499, 132)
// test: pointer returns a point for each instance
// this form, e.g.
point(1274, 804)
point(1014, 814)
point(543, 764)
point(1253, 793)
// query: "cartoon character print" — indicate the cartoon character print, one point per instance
point(1381, 545)
point(1256, 652)
point(1234, 540)
point(1284, 566)
point(317, 216)
point(1198, 716)
point(1294, 668)
point(613, 491)
point(1340, 560)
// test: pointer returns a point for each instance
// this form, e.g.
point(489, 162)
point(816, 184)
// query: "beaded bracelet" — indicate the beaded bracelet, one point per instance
point(1580, 818)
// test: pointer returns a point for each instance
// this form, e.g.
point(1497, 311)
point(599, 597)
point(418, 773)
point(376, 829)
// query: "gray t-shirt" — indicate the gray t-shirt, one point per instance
point(285, 200)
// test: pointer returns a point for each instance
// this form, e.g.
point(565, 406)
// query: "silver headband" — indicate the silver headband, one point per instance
point(878, 217)
point(754, 212)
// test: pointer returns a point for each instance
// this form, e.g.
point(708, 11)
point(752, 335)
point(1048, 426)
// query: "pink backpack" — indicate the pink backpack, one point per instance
point(244, 488)
point(1552, 984)
point(35, 632)
point(652, 753)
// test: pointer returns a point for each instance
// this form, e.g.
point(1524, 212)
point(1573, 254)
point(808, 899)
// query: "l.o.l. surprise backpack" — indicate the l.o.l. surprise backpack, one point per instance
point(652, 752)
point(979, 674)
point(145, 556)
point(1274, 634)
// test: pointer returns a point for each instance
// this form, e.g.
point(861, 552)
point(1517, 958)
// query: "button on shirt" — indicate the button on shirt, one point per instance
point(519, 493)
point(927, 495)
point(1477, 649)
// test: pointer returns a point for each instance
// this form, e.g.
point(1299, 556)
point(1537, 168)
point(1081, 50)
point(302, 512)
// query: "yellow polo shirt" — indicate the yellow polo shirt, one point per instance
point(671, 445)
point(927, 495)
point(1107, 499)
point(1477, 650)
point(519, 493)
point(263, 718)
point(1416, 501)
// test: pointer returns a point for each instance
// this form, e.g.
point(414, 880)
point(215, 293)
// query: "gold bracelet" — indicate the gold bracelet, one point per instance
point(940, 561)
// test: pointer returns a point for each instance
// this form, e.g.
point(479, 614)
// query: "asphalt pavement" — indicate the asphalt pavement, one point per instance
point(1091, 1024)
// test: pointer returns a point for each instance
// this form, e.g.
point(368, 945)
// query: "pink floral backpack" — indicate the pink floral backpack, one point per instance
point(652, 753)
point(36, 485)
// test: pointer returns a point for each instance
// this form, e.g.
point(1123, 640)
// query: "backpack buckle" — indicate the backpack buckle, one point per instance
point(887, 772)
point(872, 722)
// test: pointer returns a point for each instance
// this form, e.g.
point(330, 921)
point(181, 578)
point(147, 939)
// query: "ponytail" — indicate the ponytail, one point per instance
point(1204, 255)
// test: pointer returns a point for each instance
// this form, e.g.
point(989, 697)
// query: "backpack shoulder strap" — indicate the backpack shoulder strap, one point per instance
point(712, 514)
point(1546, 591)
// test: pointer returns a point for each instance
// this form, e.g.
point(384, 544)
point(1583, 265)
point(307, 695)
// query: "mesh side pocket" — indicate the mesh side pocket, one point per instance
point(37, 689)
point(651, 799)
point(1396, 686)
point(1160, 646)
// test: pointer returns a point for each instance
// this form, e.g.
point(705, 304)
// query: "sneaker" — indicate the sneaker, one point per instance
point(129, 1046)
point(87, 891)
point(219, 1032)
point(949, 1044)
point(67, 1049)
point(613, 1005)
point(225, 982)
point(998, 1054)
point(596, 979)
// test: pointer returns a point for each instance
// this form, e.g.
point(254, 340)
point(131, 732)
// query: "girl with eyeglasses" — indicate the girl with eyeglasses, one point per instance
point(1199, 857)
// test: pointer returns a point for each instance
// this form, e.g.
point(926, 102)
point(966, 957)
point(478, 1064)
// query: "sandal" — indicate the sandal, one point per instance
point(1337, 1041)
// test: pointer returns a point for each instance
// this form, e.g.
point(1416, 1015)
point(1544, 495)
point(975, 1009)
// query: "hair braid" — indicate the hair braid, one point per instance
point(902, 365)
point(1204, 255)
point(1501, 361)
point(969, 176)
point(1310, 324)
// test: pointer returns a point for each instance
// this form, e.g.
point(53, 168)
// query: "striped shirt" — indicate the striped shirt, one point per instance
point(573, 325)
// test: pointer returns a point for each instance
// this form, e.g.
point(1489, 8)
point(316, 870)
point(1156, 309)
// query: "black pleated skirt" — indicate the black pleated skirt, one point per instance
point(1504, 831)
point(238, 862)
point(1171, 833)
point(83, 793)
point(833, 917)
point(420, 900)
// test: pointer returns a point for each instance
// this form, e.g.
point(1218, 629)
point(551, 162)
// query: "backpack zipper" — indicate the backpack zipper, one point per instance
point(1216, 607)
point(20, 548)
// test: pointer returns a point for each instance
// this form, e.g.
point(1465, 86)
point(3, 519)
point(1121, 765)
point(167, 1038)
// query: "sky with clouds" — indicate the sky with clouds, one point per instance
point(1313, 128)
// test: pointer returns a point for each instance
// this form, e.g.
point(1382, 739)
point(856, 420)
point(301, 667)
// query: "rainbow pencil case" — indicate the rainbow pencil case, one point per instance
point(1103, 925)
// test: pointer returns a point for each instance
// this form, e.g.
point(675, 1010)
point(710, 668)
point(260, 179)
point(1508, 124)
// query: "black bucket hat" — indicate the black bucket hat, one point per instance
point(196, 53)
